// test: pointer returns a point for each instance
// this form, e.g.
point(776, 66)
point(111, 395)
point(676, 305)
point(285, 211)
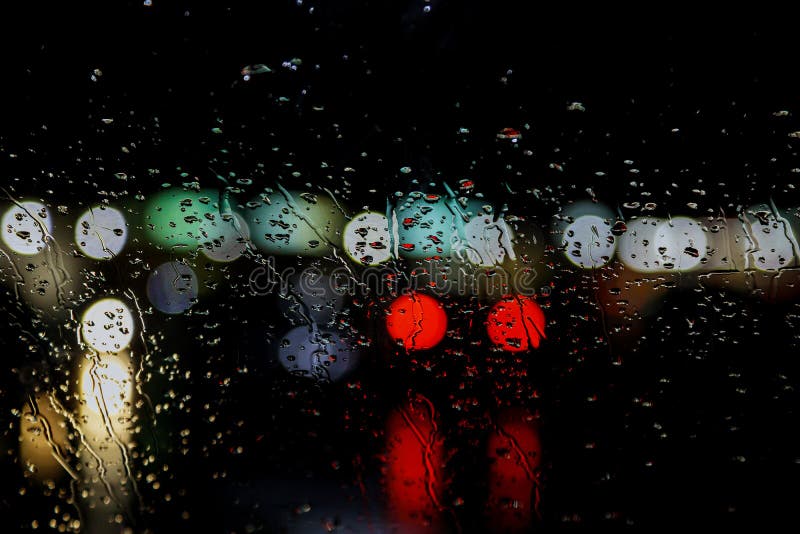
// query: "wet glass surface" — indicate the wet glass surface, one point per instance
point(426, 266)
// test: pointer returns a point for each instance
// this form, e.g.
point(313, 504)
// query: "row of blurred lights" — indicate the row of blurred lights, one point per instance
point(415, 321)
point(419, 226)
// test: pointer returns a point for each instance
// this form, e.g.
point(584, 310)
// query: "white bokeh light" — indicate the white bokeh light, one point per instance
point(768, 238)
point(25, 227)
point(107, 325)
point(588, 241)
point(101, 232)
point(487, 242)
point(657, 245)
point(635, 249)
point(725, 245)
point(681, 244)
point(367, 239)
point(227, 240)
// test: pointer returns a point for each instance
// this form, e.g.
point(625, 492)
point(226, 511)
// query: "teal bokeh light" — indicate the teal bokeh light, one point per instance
point(425, 226)
point(184, 221)
point(294, 222)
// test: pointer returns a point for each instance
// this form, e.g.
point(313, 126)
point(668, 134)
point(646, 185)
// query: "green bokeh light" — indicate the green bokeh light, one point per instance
point(184, 220)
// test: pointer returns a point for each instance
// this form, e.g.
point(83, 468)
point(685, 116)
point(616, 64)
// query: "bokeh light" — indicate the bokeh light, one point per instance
point(485, 240)
point(25, 227)
point(107, 383)
point(367, 239)
point(584, 231)
point(295, 223)
point(323, 355)
point(681, 243)
point(516, 323)
point(416, 320)
point(657, 245)
point(425, 226)
point(589, 242)
point(172, 287)
point(185, 220)
point(770, 241)
point(725, 245)
point(101, 232)
point(228, 240)
point(636, 249)
point(107, 325)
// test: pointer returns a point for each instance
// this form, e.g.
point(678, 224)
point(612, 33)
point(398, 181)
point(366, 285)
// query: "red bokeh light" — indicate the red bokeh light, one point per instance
point(414, 464)
point(516, 323)
point(514, 451)
point(418, 320)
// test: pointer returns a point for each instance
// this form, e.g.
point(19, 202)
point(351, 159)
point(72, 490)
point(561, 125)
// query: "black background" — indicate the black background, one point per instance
point(397, 84)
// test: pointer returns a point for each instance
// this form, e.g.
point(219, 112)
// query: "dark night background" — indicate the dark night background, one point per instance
point(384, 85)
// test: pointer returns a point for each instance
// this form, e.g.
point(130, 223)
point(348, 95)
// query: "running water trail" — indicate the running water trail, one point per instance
point(99, 395)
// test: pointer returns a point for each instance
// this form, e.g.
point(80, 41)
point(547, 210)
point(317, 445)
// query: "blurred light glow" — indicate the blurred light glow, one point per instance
point(300, 223)
point(417, 320)
point(725, 250)
point(172, 287)
point(107, 325)
point(588, 241)
point(516, 323)
point(424, 226)
point(484, 240)
point(310, 295)
point(367, 239)
point(514, 451)
point(101, 232)
point(227, 240)
point(769, 239)
point(107, 383)
point(584, 231)
point(415, 480)
point(681, 243)
point(42, 439)
point(656, 245)
point(187, 220)
point(323, 355)
point(25, 227)
point(636, 249)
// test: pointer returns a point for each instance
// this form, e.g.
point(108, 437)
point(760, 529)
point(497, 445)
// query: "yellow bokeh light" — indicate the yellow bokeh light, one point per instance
point(107, 383)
